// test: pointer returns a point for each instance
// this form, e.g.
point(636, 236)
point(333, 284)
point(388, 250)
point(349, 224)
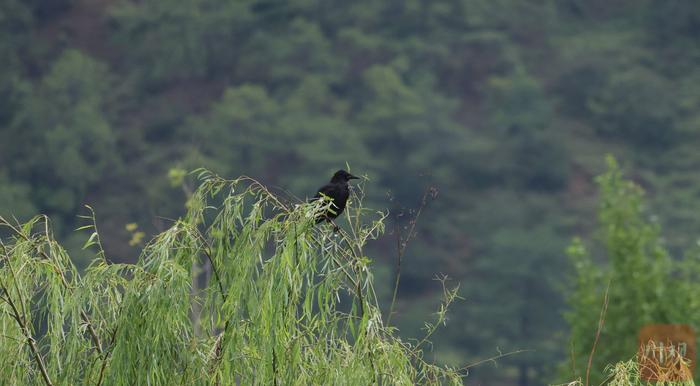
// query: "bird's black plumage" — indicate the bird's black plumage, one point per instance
point(338, 191)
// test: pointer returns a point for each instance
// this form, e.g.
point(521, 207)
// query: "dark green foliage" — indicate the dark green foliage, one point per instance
point(16, 23)
point(637, 104)
point(169, 40)
point(72, 142)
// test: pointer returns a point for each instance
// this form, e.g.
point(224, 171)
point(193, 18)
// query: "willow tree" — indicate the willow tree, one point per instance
point(244, 289)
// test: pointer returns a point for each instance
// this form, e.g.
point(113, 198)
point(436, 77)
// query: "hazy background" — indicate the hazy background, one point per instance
point(506, 107)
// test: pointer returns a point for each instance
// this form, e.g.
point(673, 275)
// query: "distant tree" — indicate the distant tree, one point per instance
point(646, 285)
point(15, 199)
point(637, 105)
point(169, 40)
point(672, 28)
point(398, 116)
point(73, 144)
point(48, 11)
point(16, 23)
point(285, 53)
point(520, 115)
point(291, 141)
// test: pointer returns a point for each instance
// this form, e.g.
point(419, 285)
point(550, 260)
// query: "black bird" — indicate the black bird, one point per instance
point(338, 191)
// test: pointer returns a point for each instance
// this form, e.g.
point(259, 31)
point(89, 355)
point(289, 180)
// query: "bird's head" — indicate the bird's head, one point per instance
point(342, 176)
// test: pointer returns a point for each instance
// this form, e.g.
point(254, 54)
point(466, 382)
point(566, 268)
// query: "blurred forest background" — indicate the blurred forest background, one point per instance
point(506, 107)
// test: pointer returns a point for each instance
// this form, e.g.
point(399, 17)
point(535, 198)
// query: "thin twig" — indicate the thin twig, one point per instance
point(93, 333)
point(601, 322)
point(402, 244)
point(104, 361)
point(206, 248)
point(491, 359)
point(398, 272)
point(449, 297)
point(274, 366)
point(207, 251)
point(27, 334)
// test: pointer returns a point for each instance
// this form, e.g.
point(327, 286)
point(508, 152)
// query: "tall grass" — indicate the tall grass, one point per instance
point(244, 289)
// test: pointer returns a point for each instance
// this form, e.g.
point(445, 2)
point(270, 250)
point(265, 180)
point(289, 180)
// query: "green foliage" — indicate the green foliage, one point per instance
point(15, 199)
point(73, 144)
point(15, 25)
point(646, 285)
point(284, 55)
point(169, 39)
point(250, 131)
point(521, 117)
point(637, 104)
point(242, 290)
point(518, 101)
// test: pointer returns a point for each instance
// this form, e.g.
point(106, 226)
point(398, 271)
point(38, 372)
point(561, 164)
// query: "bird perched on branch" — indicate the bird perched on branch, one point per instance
point(338, 190)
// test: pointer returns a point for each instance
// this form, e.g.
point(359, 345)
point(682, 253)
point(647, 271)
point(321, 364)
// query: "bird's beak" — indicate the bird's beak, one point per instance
point(351, 177)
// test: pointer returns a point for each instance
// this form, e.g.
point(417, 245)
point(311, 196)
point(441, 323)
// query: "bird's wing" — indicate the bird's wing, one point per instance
point(326, 190)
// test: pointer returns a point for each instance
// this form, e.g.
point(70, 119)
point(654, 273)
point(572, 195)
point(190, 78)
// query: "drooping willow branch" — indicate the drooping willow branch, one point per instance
point(276, 291)
point(22, 323)
point(17, 232)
